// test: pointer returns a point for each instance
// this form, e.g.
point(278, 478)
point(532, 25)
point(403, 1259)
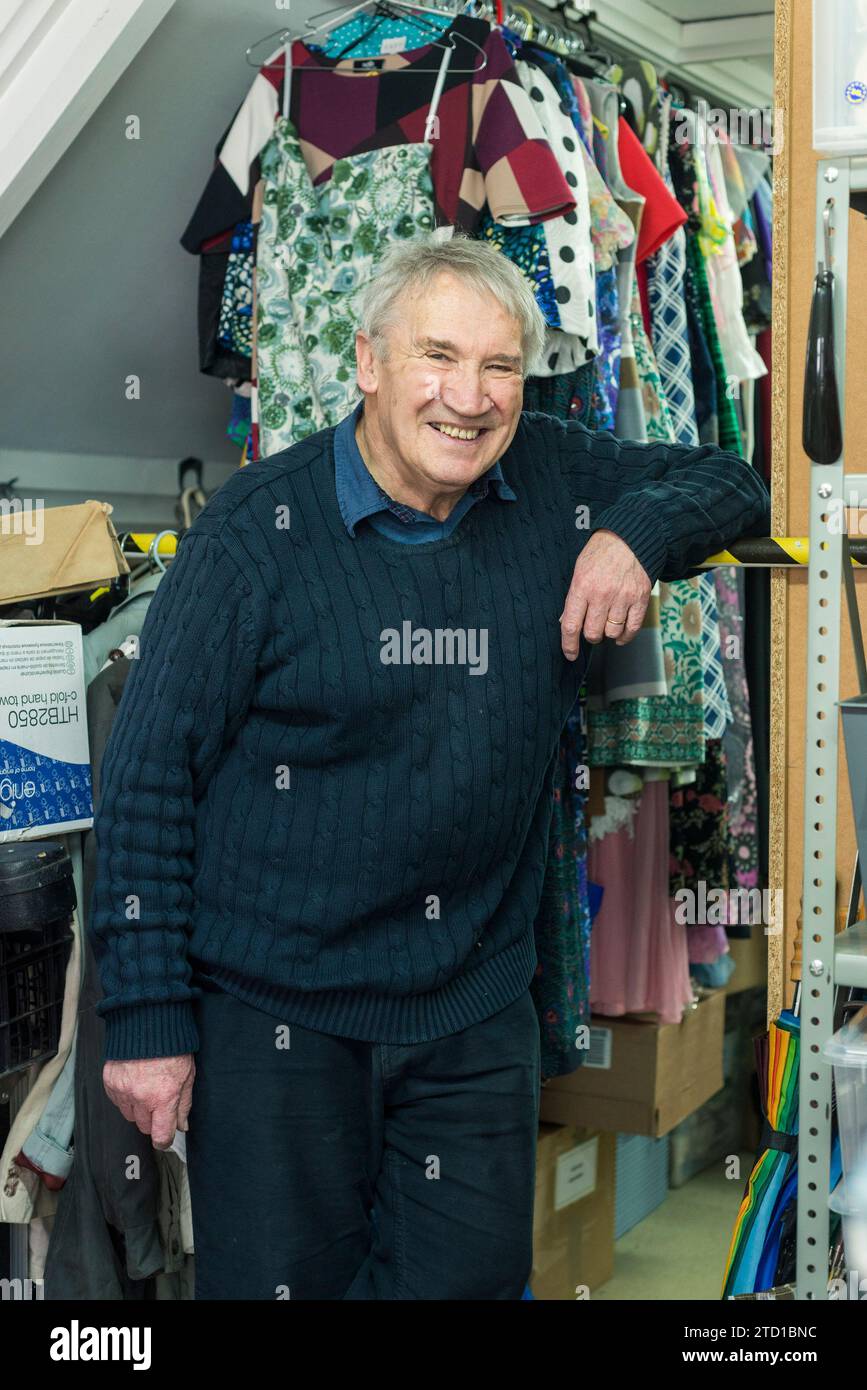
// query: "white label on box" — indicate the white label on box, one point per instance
point(600, 1049)
point(394, 45)
point(44, 753)
point(576, 1174)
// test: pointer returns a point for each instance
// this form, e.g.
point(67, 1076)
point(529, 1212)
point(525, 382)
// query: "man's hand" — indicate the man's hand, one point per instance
point(155, 1094)
point(608, 596)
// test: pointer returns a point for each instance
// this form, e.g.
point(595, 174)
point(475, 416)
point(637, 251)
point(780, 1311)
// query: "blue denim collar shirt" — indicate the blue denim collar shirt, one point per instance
point(360, 497)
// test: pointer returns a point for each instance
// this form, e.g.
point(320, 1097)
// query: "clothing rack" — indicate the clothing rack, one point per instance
point(564, 39)
point(534, 21)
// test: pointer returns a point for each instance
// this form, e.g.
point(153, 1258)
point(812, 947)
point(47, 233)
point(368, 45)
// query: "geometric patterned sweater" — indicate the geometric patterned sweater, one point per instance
point(328, 784)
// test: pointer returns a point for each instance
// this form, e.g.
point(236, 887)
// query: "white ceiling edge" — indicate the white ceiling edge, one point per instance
point(712, 39)
point(58, 60)
point(643, 29)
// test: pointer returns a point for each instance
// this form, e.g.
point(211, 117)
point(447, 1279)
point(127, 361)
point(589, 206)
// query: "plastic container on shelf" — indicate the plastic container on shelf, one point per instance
point(847, 1053)
point(840, 76)
point(37, 899)
point(849, 1198)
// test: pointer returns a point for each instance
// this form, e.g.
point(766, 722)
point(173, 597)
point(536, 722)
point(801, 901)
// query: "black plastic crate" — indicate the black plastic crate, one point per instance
point(37, 898)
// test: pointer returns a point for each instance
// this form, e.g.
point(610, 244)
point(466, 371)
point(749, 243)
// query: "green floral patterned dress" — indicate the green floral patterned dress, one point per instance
point(317, 247)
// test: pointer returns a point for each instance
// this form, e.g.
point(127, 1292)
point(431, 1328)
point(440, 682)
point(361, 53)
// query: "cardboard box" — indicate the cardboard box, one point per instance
point(56, 550)
point(573, 1222)
point(45, 784)
point(642, 1077)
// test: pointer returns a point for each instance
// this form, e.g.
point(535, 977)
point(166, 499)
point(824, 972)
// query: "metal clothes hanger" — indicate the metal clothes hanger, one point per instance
point(341, 13)
point(286, 37)
point(154, 557)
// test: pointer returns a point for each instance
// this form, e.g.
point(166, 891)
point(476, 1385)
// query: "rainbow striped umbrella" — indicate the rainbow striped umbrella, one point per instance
point(778, 1061)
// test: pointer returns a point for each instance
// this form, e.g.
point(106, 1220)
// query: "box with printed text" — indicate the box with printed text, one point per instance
point(45, 782)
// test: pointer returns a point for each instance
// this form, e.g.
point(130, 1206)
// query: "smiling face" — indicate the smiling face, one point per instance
point(445, 403)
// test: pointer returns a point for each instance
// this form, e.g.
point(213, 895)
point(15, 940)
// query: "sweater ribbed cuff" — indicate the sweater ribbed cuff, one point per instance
point(641, 529)
point(150, 1030)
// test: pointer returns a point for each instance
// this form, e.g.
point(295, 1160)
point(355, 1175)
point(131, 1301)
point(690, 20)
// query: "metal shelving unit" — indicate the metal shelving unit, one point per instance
point(829, 962)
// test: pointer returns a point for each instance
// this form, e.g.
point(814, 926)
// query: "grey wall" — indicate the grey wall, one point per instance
point(93, 282)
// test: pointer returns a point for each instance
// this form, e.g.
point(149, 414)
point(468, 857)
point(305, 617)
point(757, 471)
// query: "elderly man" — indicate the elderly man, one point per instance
point(327, 797)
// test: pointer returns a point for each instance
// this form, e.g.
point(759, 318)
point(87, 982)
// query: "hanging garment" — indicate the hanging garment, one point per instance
point(23, 1193)
point(662, 213)
point(763, 216)
point(705, 944)
point(754, 167)
point(717, 709)
point(562, 927)
point(581, 405)
point(638, 951)
point(742, 362)
point(727, 417)
point(126, 620)
point(668, 322)
point(105, 1243)
point(663, 730)
point(639, 83)
point(553, 395)
point(605, 105)
point(317, 249)
point(630, 420)
point(632, 671)
point(658, 423)
point(699, 816)
point(718, 714)
point(607, 365)
point(235, 329)
point(585, 110)
point(527, 248)
point(701, 367)
point(756, 276)
point(217, 357)
point(743, 826)
point(645, 730)
point(561, 985)
point(568, 237)
point(562, 353)
point(562, 289)
point(673, 385)
point(488, 145)
point(746, 243)
point(238, 428)
point(611, 231)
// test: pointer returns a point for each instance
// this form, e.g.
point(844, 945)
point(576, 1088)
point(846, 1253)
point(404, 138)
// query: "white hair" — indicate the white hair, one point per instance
point(417, 261)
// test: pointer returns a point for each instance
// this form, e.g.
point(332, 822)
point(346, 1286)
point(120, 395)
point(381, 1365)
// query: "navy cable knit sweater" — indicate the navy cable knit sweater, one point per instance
point(328, 786)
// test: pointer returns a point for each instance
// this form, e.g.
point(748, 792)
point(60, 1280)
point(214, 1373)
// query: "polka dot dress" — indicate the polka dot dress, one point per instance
point(568, 238)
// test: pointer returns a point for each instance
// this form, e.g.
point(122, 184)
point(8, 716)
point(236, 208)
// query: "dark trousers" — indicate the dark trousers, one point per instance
point(332, 1169)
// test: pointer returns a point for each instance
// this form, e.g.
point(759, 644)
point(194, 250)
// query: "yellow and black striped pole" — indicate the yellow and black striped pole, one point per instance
point(758, 552)
point(771, 552)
